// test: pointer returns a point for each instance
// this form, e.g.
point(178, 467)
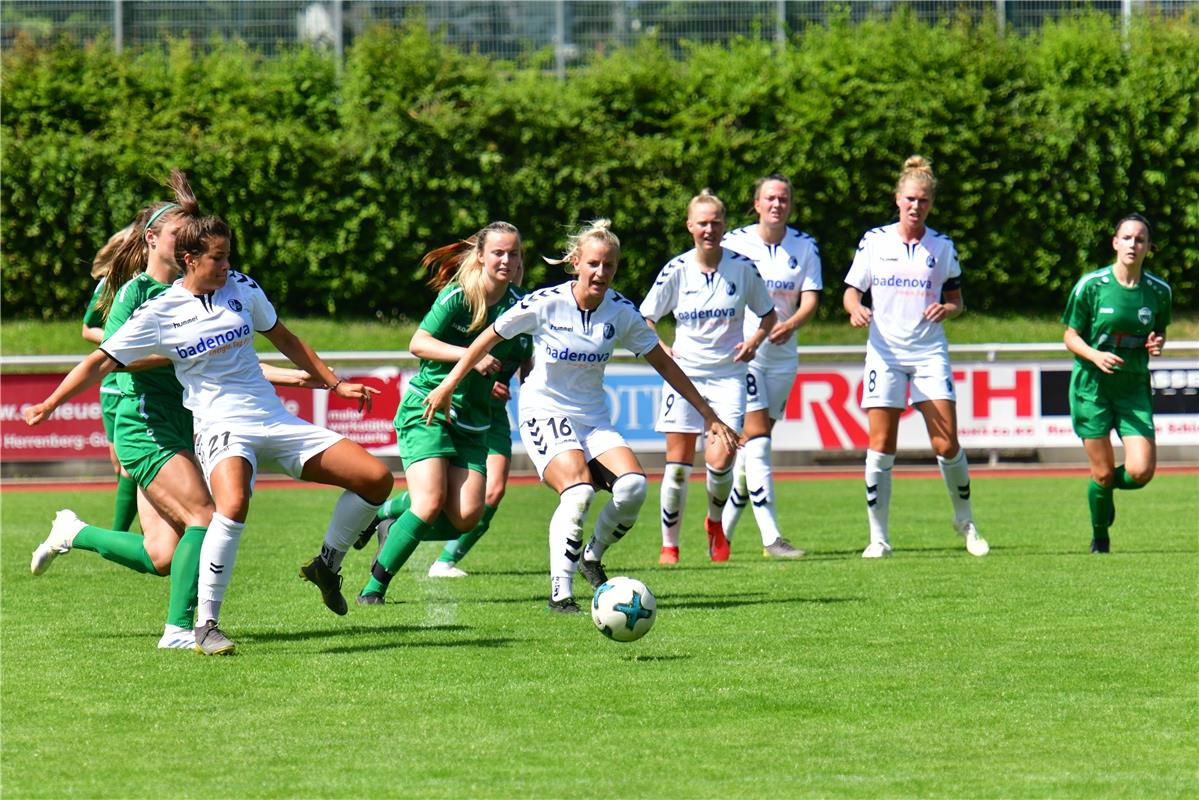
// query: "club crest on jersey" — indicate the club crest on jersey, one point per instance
point(1145, 315)
point(792, 263)
point(931, 262)
point(235, 304)
point(609, 330)
point(732, 289)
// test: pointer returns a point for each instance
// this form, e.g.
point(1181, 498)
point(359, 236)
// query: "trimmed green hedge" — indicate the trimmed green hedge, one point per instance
point(336, 183)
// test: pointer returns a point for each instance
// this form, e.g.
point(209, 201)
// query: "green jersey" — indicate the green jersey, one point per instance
point(93, 318)
point(448, 321)
point(1118, 319)
point(512, 353)
point(159, 383)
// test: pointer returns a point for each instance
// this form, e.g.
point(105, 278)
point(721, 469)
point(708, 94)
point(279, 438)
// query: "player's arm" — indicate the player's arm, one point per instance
point(428, 347)
point(951, 306)
point(673, 374)
point(284, 376)
point(95, 335)
point(1107, 362)
point(440, 398)
point(744, 351)
point(782, 331)
point(851, 301)
point(87, 372)
point(304, 357)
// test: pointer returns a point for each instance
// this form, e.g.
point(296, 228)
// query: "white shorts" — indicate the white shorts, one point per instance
point(767, 388)
point(725, 395)
point(887, 385)
point(546, 437)
point(285, 439)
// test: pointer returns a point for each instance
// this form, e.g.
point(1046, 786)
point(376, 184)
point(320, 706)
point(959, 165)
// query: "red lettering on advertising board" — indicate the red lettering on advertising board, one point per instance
point(983, 393)
point(832, 403)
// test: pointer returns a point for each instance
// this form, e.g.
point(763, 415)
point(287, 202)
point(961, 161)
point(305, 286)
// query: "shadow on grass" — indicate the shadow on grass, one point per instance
point(348, 630)
point(706, 602)
point(632, 657)
point(407, 644)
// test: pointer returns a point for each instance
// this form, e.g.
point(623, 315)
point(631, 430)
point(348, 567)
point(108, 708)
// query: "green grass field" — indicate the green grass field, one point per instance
point(1038, 671)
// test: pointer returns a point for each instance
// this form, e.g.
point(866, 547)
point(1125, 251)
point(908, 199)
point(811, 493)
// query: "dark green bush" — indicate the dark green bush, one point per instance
point(337, 182)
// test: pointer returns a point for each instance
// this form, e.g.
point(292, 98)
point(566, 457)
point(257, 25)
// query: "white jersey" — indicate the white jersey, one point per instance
point(571, 349)
point(789, 268)
point(709, 310)
point(210, 340)
point(903, 280)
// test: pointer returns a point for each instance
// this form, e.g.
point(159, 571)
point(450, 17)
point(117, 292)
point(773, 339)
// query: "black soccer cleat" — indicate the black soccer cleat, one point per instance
point(329, 582)
point(566, 605)
point(365, 537)
point(1101, 545)
point(594, 572)
point(369, 599)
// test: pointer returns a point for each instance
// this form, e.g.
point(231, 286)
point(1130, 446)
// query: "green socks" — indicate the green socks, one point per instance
point(456, 550)
point(403, 536)
point(119, 547)
point(394, 508)
point(1103, 509)
point(125, 509)
point(185, 578)
point(1124, 480)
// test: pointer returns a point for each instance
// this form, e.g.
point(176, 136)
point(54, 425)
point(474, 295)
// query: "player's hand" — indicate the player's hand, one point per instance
point(501, 392)
point(437, 400)
point(936, 312)
point(745, 351)
point(356, 391)
point(1154, 343)
point(488, 365)
point(1107, 362)
point(721, 434)
point(780, 333)
point(860, 317)
point(36, 414)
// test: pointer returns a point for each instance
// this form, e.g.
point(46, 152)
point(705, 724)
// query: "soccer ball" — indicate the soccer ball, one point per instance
point(624, 609)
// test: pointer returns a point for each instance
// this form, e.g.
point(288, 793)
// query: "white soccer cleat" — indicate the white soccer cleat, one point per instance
point(176, 638)
point(62, 536)
point(877, 550)
point(975, 544)
point(445, 569)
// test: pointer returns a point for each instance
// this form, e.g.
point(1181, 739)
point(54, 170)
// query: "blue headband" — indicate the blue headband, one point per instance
point(160, 212)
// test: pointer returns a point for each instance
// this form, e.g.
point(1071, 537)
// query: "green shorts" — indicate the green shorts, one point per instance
point(147, 435)
point(418, 441)
point(499, 435)
point(1124, 404)
point(108, 411)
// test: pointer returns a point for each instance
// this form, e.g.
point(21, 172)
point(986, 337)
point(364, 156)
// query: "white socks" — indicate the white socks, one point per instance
point(719, 483)
point(759, 479)
point(618, 514)
point(218, 554)
point(351, 514)
point(566, 535)
point(674, 501)
point(878, 492)
point(737, 498)
point(956, 473)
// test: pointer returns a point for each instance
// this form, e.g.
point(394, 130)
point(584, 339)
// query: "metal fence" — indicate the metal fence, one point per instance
point(515, 30)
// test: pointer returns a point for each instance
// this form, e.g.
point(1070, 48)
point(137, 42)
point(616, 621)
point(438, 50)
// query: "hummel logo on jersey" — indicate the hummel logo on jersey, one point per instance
point(888, 258)
point(562, 328)
point(235, 305)
point(214, 342)
point(691, 291)
point(1105, 310)
point(184, 322)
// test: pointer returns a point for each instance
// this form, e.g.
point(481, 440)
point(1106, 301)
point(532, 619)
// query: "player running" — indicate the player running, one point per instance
point(445, 461)
point(708, 290)
point(913, 276)
point(789, 262)
point(564, 416)
point(1115, 319)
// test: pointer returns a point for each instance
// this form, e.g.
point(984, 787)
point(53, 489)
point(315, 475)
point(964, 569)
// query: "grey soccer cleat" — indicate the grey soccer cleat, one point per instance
point(781, 548)
point(369, 599)
point(566, 605)
point(212, 641)
point(594, 572)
